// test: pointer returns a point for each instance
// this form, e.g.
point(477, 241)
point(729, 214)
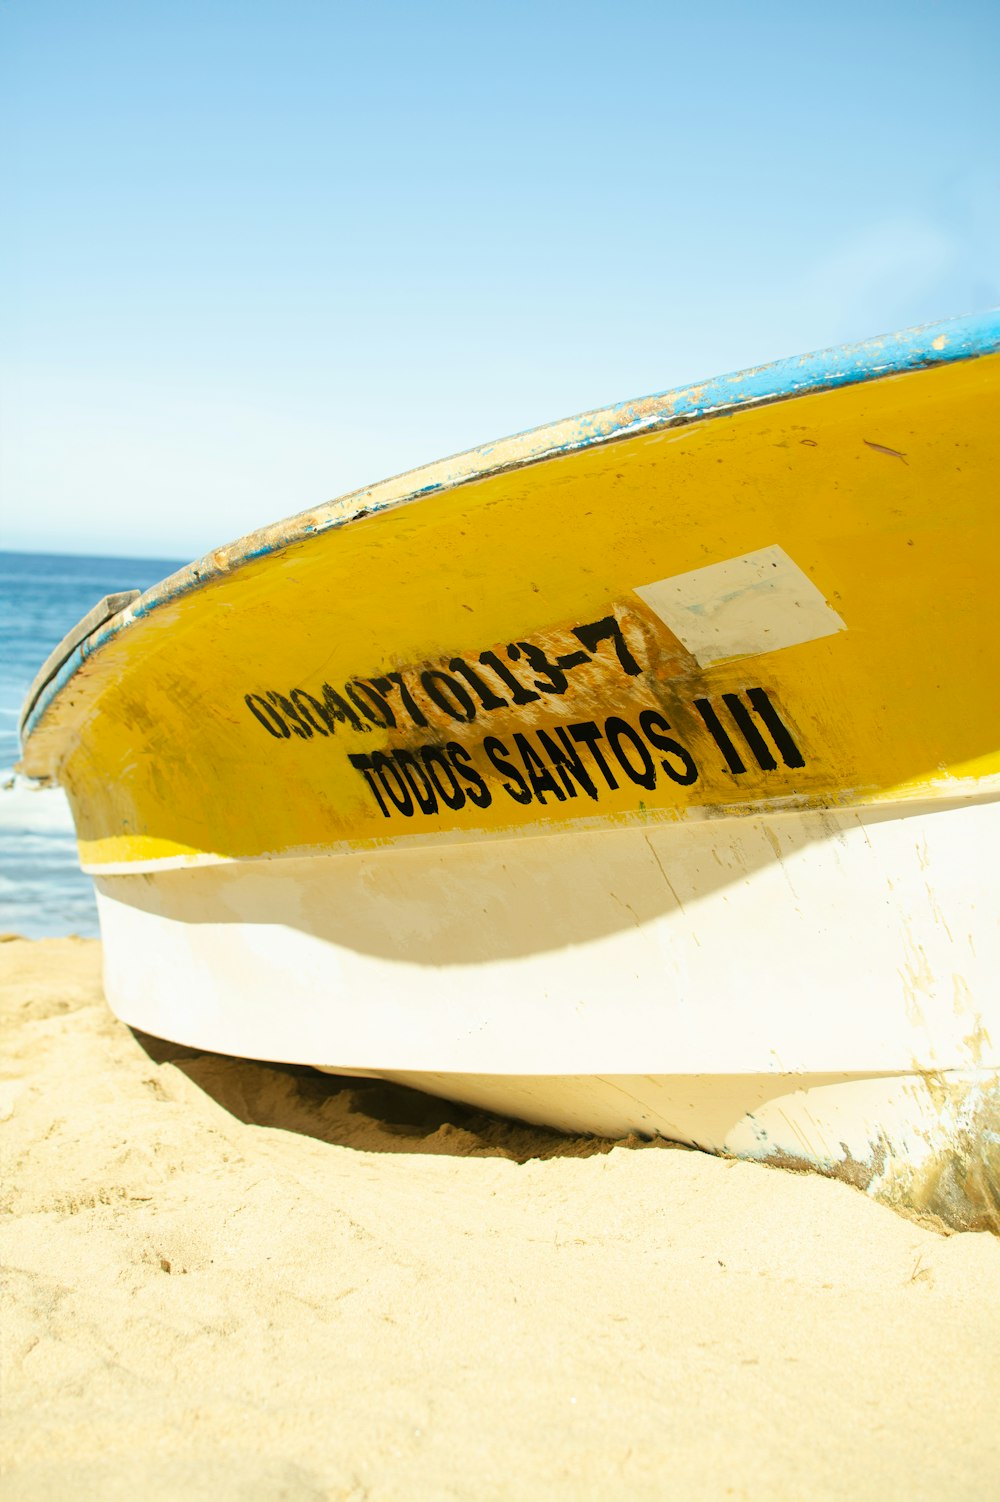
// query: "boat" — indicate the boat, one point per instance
point(638, 775)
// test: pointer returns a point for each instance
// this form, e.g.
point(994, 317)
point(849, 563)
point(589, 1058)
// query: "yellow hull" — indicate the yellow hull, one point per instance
point(225, 724)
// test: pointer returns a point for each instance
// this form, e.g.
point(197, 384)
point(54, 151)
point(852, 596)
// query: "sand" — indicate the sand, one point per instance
point(234, 1280)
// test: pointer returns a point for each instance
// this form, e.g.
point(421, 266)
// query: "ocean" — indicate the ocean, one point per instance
point(43, 892)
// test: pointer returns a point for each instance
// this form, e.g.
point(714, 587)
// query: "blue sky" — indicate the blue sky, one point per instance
point(258, 254)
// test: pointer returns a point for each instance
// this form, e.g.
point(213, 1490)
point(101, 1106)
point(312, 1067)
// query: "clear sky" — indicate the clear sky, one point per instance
point(259, 253)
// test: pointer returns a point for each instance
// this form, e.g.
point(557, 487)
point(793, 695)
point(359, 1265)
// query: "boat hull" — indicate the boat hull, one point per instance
point(638, 774)
point(801, 988)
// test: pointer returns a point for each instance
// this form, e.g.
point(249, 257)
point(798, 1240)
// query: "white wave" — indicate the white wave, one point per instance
point(27, 808)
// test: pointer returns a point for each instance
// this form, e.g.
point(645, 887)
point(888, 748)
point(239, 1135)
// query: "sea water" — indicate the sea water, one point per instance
point(43, 892)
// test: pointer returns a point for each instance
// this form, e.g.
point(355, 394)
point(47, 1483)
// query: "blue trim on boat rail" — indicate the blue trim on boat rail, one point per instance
point(844, 365)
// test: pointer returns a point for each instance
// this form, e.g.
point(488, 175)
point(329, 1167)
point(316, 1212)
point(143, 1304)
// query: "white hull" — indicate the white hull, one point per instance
point(806, 987)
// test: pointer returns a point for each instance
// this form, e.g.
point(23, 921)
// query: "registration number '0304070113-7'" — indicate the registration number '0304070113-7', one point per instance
point(580, 758)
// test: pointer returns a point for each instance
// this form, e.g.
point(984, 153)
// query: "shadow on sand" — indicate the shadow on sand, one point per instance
point(368, 1115)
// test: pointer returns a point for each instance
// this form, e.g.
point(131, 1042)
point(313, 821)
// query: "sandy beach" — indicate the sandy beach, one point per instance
point(234, 1280)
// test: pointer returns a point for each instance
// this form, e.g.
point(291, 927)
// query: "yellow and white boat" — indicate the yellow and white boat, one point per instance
point(636, 774)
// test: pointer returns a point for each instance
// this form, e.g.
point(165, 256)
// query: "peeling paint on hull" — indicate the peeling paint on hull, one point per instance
point(935, 1152)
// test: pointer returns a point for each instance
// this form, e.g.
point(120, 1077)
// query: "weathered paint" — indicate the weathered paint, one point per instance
point(505, 579)
point(873, 359)
point(297, 768)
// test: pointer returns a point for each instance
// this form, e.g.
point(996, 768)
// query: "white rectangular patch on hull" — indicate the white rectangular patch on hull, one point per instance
point(742, 607)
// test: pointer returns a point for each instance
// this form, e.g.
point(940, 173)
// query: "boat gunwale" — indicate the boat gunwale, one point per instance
point(921, 348)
